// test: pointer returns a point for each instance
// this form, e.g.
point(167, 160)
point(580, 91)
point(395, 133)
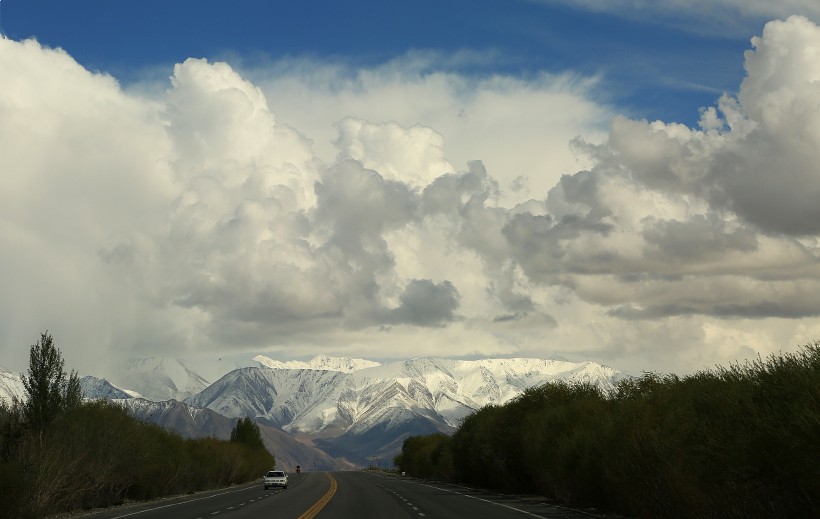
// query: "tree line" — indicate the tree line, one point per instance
point(736, 442)
point(59, 453)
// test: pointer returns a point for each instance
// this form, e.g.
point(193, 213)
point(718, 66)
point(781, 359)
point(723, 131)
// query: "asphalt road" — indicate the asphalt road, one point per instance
point(359, 495)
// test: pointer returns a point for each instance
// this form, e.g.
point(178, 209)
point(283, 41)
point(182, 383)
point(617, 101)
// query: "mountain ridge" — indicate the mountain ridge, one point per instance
point(387, 402)
point(353, 409)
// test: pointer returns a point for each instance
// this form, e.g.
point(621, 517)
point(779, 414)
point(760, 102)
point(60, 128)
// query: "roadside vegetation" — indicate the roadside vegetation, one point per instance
point(59, 453)
point(736, 442)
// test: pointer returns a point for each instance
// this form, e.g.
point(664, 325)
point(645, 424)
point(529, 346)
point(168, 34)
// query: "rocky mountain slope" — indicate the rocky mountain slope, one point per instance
point(96, 388)
point(193, 422)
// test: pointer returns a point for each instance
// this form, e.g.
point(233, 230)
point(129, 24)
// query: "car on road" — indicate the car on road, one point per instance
point(275, 478)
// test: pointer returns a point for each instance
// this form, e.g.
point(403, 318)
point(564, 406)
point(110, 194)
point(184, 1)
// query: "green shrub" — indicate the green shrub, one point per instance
point(58, 454)
point(732, 442)
point(97, 455)
point(426, 456)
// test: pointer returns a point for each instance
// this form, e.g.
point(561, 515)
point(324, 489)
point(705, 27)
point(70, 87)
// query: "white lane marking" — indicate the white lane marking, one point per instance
point(505, 506)
point(183, 502)
point(402, 498)
point(485, 500)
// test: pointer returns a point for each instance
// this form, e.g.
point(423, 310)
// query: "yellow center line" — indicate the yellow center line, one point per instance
point(317, 507)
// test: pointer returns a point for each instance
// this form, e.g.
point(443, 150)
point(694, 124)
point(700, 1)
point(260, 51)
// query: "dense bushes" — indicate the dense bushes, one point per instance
point(97, 455)
point(737, 442)
point(428, 455)
point(58, 454)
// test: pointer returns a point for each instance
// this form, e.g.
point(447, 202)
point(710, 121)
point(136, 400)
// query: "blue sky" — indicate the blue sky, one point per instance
point(651, 69)
point(631, 182)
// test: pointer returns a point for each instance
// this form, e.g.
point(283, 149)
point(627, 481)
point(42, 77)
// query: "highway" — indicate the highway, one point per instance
point(359, 495)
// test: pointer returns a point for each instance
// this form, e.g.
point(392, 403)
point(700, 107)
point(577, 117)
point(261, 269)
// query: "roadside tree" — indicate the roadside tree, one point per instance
point(48, 390)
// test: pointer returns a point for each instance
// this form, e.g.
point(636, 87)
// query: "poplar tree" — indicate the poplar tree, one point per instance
point(247, 433)
point(50, 392)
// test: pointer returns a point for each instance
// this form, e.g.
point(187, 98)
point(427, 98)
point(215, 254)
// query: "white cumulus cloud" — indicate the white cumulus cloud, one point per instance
point(404, 210)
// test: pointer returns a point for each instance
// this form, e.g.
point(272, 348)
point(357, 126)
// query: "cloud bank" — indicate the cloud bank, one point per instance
point(404, 211)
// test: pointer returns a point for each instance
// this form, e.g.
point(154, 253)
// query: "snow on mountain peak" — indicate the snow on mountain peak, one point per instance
point(319, 362)
point(160, 378)
point(99, 388)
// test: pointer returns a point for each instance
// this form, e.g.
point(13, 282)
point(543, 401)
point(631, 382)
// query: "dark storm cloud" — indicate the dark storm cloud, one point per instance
point(542, 246)
point(699, 239)
point(425, 303)
point(749, 310)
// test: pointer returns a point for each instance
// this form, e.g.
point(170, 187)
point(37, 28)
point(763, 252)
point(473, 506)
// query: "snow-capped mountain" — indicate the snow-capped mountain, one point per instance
point(278, 396)
point(11, 386)
point(455, 388)
point(320, 362)
point(386, 402)
point(165, 378)
point(161, 379)
point(96, 388)
point(310, 400)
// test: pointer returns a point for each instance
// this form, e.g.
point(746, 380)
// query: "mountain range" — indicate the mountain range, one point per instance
point(329, 412)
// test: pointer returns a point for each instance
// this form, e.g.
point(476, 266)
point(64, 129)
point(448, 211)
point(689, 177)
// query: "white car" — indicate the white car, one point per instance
point(275, 478)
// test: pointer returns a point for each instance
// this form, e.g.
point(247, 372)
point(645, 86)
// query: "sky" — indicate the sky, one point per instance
point(629, 182)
